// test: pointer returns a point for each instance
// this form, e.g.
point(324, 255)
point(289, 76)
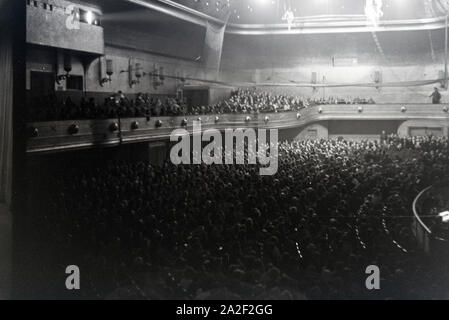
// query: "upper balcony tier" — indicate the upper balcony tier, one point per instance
point(71, 135)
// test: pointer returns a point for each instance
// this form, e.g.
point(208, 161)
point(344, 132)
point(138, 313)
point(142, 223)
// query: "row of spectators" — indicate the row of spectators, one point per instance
point(48, 108)
point(250, 100)
point(225, 232)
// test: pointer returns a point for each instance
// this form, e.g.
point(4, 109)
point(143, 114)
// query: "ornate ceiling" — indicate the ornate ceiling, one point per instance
point(272, 11)
point(286, 16)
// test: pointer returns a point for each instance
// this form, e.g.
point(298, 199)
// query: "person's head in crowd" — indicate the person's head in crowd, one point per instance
point(240, 101)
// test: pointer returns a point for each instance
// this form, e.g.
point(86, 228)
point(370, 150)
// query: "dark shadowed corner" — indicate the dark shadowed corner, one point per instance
point(5, 252)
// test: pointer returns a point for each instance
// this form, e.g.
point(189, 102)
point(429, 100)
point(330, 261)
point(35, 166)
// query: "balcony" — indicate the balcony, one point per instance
point(71, 135)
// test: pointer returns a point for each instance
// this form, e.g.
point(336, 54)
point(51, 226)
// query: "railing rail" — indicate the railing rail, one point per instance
point(421, 231)
point(415, 210)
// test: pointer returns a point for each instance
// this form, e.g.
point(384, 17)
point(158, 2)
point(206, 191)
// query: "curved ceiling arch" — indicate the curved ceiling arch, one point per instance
point(306, 25)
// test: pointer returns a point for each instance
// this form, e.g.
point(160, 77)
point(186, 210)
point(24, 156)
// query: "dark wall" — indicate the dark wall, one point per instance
point(52, 28)
point(47, 165)
point(6, 115)
point(283, 51)
point(362, 127)
point(167, 39)
point(344, 59)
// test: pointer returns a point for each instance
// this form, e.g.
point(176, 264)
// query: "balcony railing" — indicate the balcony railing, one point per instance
point(75, 134)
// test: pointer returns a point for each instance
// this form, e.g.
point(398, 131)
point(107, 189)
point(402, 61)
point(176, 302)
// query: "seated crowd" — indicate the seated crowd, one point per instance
point(225, 232)
point(49, 108)
point(250, 100)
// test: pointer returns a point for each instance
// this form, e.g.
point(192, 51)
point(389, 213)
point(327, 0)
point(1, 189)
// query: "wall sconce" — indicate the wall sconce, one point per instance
point(445, 109)
point(404, 109)
point(314, 81)
point(109, 72)
point(360, 109)
point(67, 69)
point(298, 116)
point(182, 78)
point(248, 119)
point(158, 124)
point(267, 119)
point(378, 78)
point(199, 119)
point(184, 123)
point(139, 73)
point(158, 77)
point(320, 110)
point(130, 72)
point(161, 74)
point(217, 119)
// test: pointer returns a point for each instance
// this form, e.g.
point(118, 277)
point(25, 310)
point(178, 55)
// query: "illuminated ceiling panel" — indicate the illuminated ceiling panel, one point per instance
point(259, 17)
point(272, 11)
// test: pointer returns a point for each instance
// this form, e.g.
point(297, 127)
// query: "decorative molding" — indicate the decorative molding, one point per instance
point(53, 136)
point(305, 25)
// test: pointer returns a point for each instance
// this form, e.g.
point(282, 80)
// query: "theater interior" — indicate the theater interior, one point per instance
point(92, 91)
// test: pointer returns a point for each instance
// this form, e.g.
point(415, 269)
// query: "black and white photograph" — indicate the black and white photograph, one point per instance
point(224, 155)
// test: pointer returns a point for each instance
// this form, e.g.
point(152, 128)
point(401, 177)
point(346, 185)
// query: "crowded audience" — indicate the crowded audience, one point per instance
point(250, 100)
point(225, 232)
point(49, 108)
